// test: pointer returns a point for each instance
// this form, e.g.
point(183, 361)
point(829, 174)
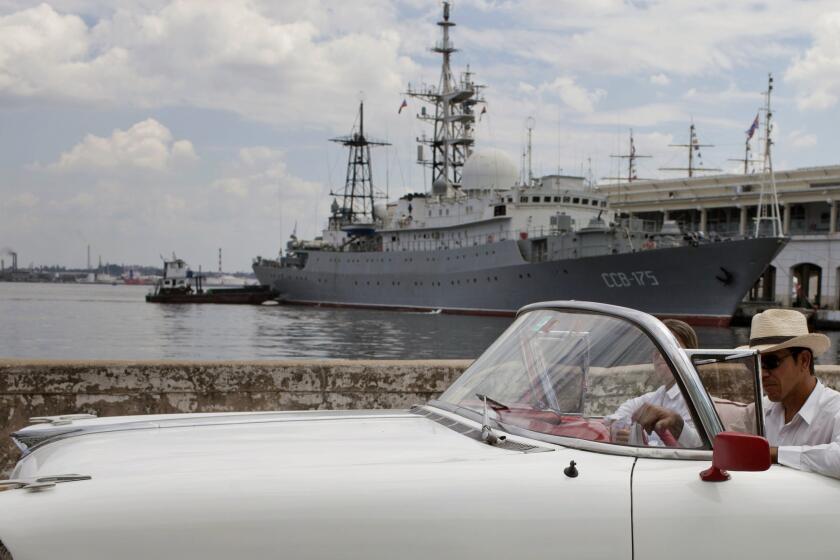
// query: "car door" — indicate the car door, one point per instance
point(777, 513)
point(780, 513)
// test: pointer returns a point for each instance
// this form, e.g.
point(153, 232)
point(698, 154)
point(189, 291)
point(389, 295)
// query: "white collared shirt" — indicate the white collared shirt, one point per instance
point(811, 440)
point(671, 399)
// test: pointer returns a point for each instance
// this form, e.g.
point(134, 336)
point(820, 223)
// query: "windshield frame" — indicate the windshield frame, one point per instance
point(697, 399)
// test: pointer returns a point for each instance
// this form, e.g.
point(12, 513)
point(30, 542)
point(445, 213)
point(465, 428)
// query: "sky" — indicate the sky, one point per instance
point(143, 127)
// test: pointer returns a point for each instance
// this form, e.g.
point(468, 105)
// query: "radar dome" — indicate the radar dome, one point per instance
point(489, 169)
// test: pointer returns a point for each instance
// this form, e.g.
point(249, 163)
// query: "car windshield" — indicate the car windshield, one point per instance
point(573, 374)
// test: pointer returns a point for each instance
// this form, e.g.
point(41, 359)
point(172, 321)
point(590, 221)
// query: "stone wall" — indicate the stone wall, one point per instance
point(46, 388)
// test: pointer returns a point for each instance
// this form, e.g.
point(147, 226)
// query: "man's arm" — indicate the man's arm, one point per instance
point(656, 418)
point(823, 459)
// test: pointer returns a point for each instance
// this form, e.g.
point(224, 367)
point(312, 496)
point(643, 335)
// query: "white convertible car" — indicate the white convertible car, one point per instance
point(535, 452)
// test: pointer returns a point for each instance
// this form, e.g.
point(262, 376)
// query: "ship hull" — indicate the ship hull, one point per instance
point(702, 284)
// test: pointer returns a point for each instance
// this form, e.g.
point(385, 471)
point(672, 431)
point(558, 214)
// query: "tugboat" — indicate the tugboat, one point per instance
point(181, 285)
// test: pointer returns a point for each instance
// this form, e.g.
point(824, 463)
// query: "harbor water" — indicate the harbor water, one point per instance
point(78, 321)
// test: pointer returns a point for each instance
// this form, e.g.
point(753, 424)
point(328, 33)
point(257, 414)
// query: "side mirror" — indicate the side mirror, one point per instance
point(735, 451)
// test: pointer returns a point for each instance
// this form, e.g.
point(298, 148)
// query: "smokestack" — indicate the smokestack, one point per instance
point(14, 261)
point(2, 266)
point(220, 260)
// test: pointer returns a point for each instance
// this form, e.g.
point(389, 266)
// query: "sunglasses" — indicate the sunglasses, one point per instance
point(772, 361)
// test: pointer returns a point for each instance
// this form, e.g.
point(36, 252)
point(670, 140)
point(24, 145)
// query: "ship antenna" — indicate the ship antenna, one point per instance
point(693, 145)
point(768, 210)
point(529, 124)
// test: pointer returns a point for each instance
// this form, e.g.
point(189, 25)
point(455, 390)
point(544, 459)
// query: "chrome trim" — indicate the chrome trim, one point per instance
point(60, 420)
point(607, 448)
point(40, 483)
point(33, 437)
point(759, 387)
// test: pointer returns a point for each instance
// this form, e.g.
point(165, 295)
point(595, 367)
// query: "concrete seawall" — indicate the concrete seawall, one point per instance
point(45, 388)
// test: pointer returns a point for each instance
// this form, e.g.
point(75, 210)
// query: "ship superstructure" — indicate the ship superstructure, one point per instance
point(485, 239)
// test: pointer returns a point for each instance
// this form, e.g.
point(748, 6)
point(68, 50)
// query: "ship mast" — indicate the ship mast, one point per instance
point(631, 158)
point(768, 202)
point(452, 115)
point(528, 174)
point(358, 197)
point(693, 145)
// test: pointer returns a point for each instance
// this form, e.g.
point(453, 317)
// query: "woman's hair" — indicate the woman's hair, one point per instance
point(683, 332)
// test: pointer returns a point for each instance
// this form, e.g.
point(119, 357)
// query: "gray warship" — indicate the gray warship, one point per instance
point(486, 240)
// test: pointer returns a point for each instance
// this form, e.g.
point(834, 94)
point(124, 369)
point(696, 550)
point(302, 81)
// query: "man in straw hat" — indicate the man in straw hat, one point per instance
point(802, 416)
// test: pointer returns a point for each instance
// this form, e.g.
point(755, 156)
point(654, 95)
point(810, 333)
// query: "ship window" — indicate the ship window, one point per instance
point(447, 211)
point(535, 199)
point(556, 199)
point(546, 199)
point(576, 200)
point(510, 199)
point(523, 199)
point(565, 199)
point(594, 203)
point(603, 204)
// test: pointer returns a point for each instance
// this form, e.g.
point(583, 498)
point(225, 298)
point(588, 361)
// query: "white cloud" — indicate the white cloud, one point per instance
point(147, 144)
point(660, 79)
point(568, 91)
point(573, 95)
point(651, 114)
point(290, 63)
point(802, 139)
point(22, 201)
point(816, 74)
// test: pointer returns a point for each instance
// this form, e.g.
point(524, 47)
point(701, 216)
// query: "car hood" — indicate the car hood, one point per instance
point(246, 443)
point(375, 485)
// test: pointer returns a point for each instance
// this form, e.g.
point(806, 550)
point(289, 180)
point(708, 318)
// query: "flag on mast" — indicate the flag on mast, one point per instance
point(403, 105)
point(481, 114)
point(753, 128)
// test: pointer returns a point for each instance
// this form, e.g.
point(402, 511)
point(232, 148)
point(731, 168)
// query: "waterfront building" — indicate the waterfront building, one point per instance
point(805, 273)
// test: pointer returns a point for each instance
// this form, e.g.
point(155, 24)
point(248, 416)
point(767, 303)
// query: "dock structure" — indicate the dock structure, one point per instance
point(805, 273)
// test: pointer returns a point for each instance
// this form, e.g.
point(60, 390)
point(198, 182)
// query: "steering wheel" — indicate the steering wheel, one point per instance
point(638, 437)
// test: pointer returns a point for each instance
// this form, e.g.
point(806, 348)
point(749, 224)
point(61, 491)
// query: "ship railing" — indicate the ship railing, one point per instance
point(466, 241)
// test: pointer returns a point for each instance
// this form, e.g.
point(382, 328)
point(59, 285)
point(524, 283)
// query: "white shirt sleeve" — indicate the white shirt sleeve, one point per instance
point(823, 459)
point(628, 407)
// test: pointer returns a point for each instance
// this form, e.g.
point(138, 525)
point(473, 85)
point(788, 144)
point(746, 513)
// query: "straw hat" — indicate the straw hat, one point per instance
point(775, 329)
